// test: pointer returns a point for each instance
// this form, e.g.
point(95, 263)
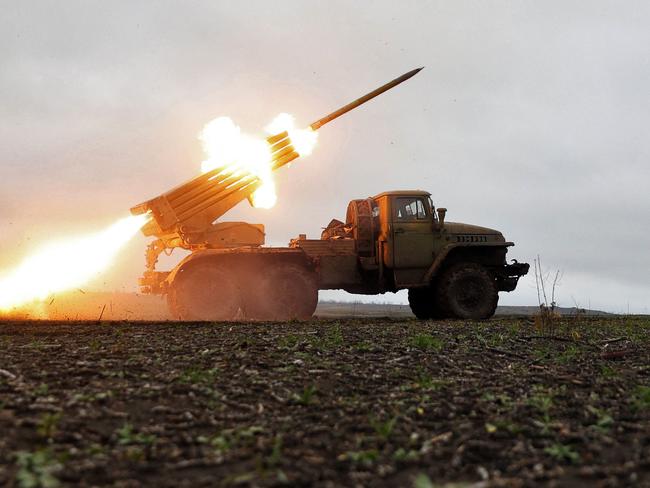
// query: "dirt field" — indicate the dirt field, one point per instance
point(366, 402)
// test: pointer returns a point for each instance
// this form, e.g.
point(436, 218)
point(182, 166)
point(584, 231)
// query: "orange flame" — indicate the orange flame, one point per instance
point(66, 264)
point(226, 145)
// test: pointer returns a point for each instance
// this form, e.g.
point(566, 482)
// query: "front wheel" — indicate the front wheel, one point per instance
point(467, 291)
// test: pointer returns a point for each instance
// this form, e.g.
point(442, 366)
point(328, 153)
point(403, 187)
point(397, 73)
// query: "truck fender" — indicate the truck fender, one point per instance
point(440, 258)
point(195, 256)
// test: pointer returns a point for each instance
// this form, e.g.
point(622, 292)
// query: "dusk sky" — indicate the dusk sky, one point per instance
point(530, 117)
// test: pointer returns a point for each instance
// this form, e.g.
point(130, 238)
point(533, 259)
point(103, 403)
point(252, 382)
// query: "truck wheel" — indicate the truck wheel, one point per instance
point(204, 292)
point(422, 302)
point(467, 291)
point(283, 292)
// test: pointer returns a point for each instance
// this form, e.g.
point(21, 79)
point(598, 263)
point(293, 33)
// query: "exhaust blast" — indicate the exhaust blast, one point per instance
point(66, 264)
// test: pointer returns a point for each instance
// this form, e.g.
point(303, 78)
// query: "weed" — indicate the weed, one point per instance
point(575, 334)
point(132, 361)
point(91, 397)
point(488, 397)
point(332, 339)
point(497, 339)
point(363, 346)
point(603, 419)
point(196, 375)
point(542, 352)
point(276, 452)
point(96, 449)
point(127, 436)
point(542, 401)
point(37, 469)
point(249, 432)
point(222, 443)
point(503, 401)
point(641, 398)
point(490, 339)
point(561, 452)
point(288, 341)
point(383, 429)
point(227, 439)
point(422, 481)
point(47, 424)
point(425, 381)
point(402, 454)
point(502, 425)
point(41, 390)
point(365, 458)
point(547, 320)
point(306, 397)
point(514, 329)
point(607, 371)
point(282, 477)
point(426, 342)
point(570, 354)
point(266, 469)
point(102, 396)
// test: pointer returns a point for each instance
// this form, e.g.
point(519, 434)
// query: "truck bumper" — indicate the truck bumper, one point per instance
point(509, 275)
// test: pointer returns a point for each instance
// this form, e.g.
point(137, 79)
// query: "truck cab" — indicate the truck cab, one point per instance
point(409, 234)
point(450, 269)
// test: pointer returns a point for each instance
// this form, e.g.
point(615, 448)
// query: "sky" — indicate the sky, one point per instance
point(530, 117)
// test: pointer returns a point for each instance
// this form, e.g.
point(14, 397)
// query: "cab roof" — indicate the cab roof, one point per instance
point(404, 193)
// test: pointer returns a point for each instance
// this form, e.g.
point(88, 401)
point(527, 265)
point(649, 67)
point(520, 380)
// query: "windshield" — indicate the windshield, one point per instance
point(410, 208)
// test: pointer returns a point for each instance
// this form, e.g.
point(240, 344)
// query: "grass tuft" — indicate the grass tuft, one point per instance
point(426, 342)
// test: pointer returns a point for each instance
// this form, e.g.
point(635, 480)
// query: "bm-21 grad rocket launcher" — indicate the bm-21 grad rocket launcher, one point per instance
point(396, 240)
point(186, 216)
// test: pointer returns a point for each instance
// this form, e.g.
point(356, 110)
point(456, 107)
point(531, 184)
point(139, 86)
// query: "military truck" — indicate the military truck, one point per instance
point(393, 241)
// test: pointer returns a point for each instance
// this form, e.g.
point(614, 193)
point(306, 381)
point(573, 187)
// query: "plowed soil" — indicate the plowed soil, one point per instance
point(364, 402)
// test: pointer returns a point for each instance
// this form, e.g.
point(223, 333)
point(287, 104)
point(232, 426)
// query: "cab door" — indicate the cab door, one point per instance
point(412, 236)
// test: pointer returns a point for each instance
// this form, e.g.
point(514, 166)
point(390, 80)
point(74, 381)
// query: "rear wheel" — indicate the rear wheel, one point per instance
point(467, 291)
point(284, 291)
point(204, 291)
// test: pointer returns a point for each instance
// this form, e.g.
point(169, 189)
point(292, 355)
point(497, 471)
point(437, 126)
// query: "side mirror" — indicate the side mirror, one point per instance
point(441, 216)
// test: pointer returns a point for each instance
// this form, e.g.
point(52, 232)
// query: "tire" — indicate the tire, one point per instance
point(419, 300)
point(285, 291)
point(422, 303)
point(467, 291)
point(204, 291)
point(359, 217)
